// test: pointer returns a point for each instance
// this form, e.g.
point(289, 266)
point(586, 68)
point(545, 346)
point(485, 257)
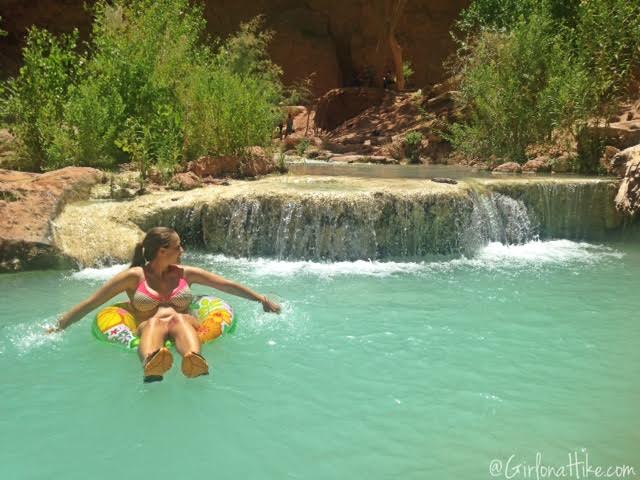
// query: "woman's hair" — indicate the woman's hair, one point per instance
point(147, 249)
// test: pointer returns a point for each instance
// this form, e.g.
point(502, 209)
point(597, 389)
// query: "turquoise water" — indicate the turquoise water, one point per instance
point(373, 370)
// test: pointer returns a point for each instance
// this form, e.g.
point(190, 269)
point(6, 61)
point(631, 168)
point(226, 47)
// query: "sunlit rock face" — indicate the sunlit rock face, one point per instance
point(330, 218)
point(628, 197)
point(28, 204)
point(335, 39)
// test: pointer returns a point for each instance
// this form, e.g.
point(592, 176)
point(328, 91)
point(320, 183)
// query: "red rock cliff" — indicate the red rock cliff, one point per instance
point(337, 39)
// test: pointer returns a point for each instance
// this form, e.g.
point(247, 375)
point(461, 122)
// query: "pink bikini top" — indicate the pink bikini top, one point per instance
point(145, 299)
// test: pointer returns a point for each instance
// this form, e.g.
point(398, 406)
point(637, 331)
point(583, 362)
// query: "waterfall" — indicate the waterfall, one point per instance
point(334, 224)
point(497, 218)
point(364, 226)
point(575, 210)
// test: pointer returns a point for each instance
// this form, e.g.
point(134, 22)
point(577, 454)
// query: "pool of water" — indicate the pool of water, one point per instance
point(373, 170)
point(374, 370)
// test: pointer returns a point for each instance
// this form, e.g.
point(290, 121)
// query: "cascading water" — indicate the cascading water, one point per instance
point(497, 218)
point(367, 226)
point(573, 210)
point(315, 220)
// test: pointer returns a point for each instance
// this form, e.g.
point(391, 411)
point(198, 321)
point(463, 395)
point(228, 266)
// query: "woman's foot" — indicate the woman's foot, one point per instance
point(194, 365)
point(157, 364)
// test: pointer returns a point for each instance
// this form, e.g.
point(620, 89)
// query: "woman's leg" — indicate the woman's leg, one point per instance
point(156, 359)
point(183, 330)
point(153, 333)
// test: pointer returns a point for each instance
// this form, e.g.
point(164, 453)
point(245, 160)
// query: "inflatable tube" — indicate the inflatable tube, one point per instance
point(117, 325)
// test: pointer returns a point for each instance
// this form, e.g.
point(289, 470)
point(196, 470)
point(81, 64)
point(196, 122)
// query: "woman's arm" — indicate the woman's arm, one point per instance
point(113, 287)
point(198, 275)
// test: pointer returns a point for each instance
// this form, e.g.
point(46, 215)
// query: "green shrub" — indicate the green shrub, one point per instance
point(150, 88)
point(33, 104)
point(302, 147)
point(407, 70)
point(532, 68)
point(413, 145)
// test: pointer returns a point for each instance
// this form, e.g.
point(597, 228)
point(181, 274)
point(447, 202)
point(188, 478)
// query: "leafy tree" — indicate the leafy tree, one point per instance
point(530, 68)
point(148, 87)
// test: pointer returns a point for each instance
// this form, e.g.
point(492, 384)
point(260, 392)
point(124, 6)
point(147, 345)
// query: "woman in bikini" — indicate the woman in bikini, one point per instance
point(158, 288)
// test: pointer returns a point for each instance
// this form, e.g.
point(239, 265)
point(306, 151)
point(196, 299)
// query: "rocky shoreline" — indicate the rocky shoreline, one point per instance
point(28, 204)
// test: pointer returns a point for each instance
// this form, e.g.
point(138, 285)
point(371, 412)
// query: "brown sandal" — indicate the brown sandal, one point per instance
point(194, 365)
point(157, 364)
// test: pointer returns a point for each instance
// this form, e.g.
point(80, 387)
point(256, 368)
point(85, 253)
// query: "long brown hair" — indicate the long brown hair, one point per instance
point(147, 249)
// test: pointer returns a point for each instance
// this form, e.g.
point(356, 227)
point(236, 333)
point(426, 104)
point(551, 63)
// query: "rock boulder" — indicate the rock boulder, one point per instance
point(232, 166)
point(29, 203)
point(562, 164)
point(537, 165)
point(628, 197)
point(508, 167)
point(185, 181)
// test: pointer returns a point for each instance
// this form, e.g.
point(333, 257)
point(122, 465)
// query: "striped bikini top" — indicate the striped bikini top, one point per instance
point(145, 299)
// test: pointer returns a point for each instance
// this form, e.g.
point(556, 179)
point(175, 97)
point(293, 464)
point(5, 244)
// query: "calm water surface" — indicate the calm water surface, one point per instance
point(414, 370)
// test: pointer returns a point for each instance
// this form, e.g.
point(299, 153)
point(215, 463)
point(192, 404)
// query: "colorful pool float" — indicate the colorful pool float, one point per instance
point(116, 324)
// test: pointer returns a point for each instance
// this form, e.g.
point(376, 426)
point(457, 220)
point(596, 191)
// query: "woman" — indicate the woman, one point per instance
point(158, 288)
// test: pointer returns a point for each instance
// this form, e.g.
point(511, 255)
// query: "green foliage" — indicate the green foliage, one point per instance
point(413, 145)
point(34, 101)
point(150, 89)
point(9, 196)
point(282, 162)
point(531, 68)
point(503, 15)
point(407, 70)
point(300, 92)
point(302, 147)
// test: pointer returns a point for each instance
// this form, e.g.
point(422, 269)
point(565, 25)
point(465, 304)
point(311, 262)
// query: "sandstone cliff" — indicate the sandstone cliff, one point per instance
point(336, 39)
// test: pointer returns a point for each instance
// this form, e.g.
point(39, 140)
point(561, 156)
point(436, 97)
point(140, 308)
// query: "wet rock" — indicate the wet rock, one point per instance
point(537, 165)
point(628, 197)
point(606, 161)
point(562, 164)
point(618, 164)
point(449, 181)
point(508, 167)
point(29, 203)
point(185, 181)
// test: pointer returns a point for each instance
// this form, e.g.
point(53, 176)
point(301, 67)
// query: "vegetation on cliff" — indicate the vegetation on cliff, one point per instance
point(534, 69)
point(148, 87)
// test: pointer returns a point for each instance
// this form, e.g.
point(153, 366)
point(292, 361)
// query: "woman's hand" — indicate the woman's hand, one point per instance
point(53, 329)
point(270, 306)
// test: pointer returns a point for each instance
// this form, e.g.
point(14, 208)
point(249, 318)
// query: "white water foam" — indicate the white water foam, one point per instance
point(98, 274)
point(495, 255)
point(26, 337)
point(549, 252)
point(283, 268)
